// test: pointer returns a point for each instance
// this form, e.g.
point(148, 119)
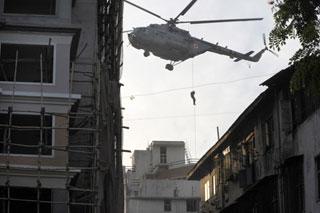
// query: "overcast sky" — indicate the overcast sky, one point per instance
point(157, 102)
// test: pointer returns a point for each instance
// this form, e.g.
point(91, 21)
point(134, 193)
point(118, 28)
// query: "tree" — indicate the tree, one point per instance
point(299, 19)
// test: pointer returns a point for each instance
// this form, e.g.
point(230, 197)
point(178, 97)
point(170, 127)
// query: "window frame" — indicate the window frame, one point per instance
point(52, 155)
point(227, 163)
point(214, 184)
point(163, 156)
point(56, 2)
point(268, 133)
point(53, 83)
point(207, 191)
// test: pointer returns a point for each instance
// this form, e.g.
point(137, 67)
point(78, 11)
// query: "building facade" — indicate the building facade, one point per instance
point(157, 181)
point(268, 160)
point(60, 113)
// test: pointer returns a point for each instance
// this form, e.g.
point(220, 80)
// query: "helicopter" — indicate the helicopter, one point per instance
point(169, 42)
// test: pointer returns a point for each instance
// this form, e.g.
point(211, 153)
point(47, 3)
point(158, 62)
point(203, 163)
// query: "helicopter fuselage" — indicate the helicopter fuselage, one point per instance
point(172, 43)
point(168, 42)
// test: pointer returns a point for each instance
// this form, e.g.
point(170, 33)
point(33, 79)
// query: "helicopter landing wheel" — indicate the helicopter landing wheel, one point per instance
point(146, 53)
point(169, 67)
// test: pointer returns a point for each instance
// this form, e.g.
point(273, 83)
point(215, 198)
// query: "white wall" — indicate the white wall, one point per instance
point(156, 206)
point(175, 152)
point(151, 193)
point(141, 161)
point(166, 188)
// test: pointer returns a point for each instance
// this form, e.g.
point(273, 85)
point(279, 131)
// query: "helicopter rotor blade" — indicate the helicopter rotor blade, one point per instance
point(185, 10)
point(145, 10)
point(219, 21)
point(264, 39)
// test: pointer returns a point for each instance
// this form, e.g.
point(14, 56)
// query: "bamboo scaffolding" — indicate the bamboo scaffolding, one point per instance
point(83, 126)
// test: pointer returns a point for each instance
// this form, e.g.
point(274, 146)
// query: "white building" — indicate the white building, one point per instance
point(157, 181)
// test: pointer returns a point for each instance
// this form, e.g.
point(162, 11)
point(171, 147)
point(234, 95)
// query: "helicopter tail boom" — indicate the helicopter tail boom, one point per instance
point(234, 54)
point(247, 54)
point(257, 56)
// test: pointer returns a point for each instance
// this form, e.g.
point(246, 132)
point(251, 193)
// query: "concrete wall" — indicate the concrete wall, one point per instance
point(147, 195)
point(169, 188)
point(156, 206)
point(154, 192)
point(141, 161)
point(175, 153)
point(308, 139)
point(61, 18)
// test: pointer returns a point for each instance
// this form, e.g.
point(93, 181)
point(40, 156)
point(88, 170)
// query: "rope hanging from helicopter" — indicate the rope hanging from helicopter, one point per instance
point(193, 97)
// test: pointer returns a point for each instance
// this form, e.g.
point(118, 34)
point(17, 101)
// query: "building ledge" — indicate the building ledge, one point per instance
point(30, 176)
point(162, 198)
point(33, 101)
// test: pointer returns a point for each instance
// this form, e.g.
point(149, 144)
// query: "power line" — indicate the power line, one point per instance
point(197, 86)
point(178, 116)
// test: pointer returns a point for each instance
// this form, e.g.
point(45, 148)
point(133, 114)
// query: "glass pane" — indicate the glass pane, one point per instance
point(28, 69)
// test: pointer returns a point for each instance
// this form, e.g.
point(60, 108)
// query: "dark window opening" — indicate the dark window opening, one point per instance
point(25, 136)
point(36, 7)
point(25, 200)
point(192, 205)
point(293, 185)
point(28, 66)
point(167, 206)
point(163, 154)
point(318, 175)
point(263, 200)
point(248, 147)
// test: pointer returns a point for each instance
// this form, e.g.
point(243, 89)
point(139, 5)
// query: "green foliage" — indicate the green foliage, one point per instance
point(307, 75)
point(299, 19)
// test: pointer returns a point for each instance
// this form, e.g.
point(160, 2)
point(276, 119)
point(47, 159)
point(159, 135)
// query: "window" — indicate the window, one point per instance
point(248, 147)
point(227, 162)
point(192, 205)
point(293, 185)
point(167, 206)
point(28, 66)
point(24, 198)
point(163, 154)
point(214, 185)
point(318, 175)
point(207, 190)
point(36, 7)
point(268, 130)
point(25, 137)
